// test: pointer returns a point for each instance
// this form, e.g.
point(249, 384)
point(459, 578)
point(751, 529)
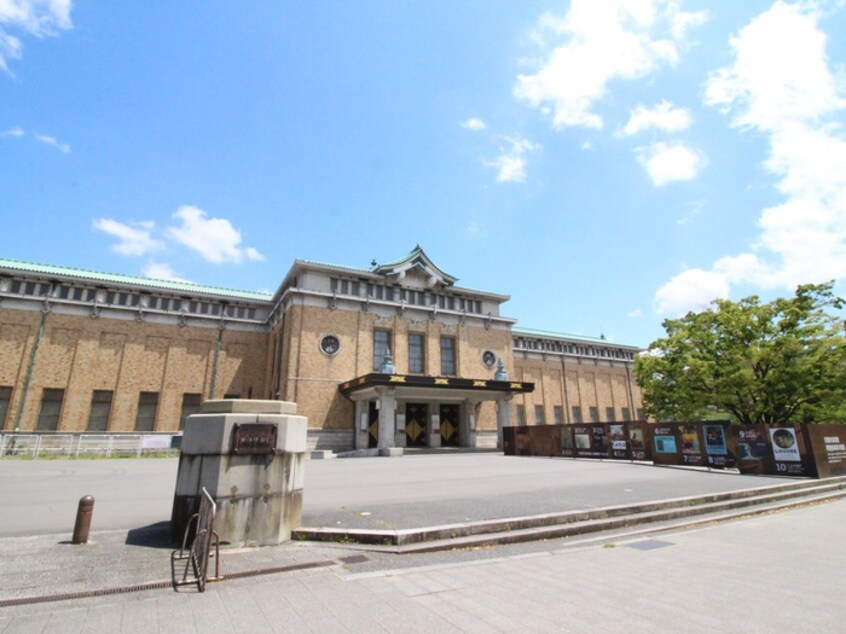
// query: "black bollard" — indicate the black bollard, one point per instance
point(83, 520)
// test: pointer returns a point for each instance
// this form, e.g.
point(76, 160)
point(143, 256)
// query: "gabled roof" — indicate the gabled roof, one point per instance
point(143, 283)
point(419, 261)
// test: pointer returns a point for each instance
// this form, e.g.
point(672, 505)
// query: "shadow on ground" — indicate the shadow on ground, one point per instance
point(152, 536)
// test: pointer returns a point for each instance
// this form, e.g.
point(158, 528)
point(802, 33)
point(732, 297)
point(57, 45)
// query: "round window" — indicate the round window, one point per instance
point(330, 344)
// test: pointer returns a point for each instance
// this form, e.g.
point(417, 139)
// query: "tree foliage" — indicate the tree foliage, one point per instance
point(778, 362)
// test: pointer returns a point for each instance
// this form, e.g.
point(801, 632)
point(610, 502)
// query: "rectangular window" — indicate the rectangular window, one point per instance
point(626, 414)
point(521, 415)
point(51, 409)
point(558, 412)
point(101, 408)
point(610, 414)
point(640, 415)
point(594, 414)
point(5, 399)
point(381, 345)
point(190, 405)
point(416, 359)
point(148, 403)
point(447, 356)
point(539, 420)
point(577, 414)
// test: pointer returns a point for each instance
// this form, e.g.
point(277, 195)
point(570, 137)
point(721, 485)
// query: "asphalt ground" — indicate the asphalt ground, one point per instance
point(40, 497)
point(768, 573)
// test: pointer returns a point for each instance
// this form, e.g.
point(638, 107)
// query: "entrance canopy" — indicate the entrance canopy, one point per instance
point(408, 386)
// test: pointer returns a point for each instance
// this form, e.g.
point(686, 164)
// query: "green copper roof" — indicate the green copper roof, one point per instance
point(49, 270)
point(419, 255)
point(560, 335)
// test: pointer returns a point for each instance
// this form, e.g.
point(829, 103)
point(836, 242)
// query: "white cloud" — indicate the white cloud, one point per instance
point(669, 162)
point(635, 314)
point(772, 82)
point(693, 289)
point(692, 210)
point(161, 271)
point(683, 20)
point(64, 148)
point(39, 18)
point(474, 124)
point(13, 132)
point(134, 239)
point(511, 163)
point(665, 117)
point(790, 94)
point(604, 41)
point(215, 239)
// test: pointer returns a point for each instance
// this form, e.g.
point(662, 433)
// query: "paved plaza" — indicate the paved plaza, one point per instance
point(772, 572)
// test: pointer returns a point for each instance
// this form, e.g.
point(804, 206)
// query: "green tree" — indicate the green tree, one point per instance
point(778, 362)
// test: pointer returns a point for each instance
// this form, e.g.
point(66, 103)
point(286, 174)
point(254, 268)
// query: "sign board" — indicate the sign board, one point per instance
point(665, 444)
point(618, 441)
point(253, 438)
point(828, 446)
point(716, 447)
point(638, 443)
point(691, 445)
point(568, 442)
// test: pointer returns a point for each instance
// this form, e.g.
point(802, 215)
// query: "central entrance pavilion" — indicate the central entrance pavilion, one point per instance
point(400, 410)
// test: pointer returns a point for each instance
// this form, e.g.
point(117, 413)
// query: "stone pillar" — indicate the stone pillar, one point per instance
point(467, 432)
point(435, 426)
point(249, 455)
point(387, 418)
point(503, 417)
point(362, 421)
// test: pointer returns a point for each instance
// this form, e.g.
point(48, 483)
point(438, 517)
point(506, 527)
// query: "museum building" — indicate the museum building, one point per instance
point(393, 355)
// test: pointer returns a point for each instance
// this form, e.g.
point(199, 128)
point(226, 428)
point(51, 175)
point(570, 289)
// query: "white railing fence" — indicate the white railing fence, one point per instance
point(74, 445)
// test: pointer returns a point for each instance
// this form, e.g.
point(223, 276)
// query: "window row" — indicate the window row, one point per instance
point(558, 413)
point(126, 298)
point(100, 410)
point(416, 352)
point(544, 345)
point(409, 296)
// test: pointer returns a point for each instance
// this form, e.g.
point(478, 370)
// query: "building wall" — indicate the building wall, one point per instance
point(275, 352)
point(574, 382)
point(311, 377)
point(79, 355)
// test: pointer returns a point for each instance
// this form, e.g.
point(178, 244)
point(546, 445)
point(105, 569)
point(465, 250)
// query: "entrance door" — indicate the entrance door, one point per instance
point(449, 425)
point(415, 424)
point(372, 426)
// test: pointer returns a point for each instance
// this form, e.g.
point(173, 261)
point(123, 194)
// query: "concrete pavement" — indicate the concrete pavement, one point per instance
point(772, 572)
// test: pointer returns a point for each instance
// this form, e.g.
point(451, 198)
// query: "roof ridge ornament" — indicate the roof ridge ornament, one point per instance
point(416, 260)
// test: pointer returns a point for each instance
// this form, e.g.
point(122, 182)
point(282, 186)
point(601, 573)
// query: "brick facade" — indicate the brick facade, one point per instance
point(131, 339)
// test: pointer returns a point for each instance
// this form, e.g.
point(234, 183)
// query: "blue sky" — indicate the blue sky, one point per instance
point(606, 163)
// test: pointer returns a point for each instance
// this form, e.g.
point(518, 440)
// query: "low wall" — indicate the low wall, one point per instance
point(794, 450)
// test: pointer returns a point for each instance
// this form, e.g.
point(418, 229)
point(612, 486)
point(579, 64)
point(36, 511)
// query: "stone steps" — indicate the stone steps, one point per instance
point(678, 511)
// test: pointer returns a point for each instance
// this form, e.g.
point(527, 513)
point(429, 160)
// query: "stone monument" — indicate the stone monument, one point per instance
point(249, 455)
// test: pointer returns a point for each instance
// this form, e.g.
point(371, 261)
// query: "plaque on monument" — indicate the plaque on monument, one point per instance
point(253, 438)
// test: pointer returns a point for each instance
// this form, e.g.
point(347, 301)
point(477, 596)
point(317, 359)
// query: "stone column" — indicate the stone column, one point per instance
point(503, 417)
point(467, 431)
point(362, 412)
point(434, 430)
point(249, 455)
point(387, 417)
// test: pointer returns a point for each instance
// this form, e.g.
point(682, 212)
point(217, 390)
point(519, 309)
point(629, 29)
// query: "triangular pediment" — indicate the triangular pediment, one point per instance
point(416, 265)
